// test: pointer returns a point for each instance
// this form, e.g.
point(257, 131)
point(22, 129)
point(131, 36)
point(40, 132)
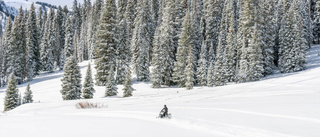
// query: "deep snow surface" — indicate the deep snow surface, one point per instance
point(281, 105)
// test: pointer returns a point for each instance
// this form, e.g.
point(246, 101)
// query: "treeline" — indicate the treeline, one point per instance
point(44, 4)
point(184, 42)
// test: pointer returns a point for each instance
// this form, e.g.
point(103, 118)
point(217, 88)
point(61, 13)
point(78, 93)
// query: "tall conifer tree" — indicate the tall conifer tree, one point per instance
point(32, 41)
point(88, 90)
point(106, 44)
point(11, 99)
point(48, 44)
point(128, 89)
point(5, 50)
point(140, 44)
point(16, 50)
point(167, 44)
point(111, 86)
point(247, 23)
point(123, 49)
point(27, 98)
point(202, 66)
point(293, 45)
point(190, 70)
point(71, 80)
point(68, 46)
point(181, 55)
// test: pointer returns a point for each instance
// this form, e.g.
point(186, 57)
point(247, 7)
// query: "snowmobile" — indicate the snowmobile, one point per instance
point(162, 115)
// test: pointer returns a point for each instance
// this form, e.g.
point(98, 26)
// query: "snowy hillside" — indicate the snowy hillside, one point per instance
point(11, 7)
point(59, 2)
point(24, 3)
point(19, 3)
point(281, 105)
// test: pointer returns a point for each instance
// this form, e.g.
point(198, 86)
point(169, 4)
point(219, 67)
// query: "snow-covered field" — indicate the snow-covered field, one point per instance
point(281, 105)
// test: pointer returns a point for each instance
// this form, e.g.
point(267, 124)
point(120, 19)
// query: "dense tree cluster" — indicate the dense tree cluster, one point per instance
point(168, 42)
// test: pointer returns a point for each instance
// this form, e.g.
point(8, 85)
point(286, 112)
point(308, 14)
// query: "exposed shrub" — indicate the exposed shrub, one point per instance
point(89, 105)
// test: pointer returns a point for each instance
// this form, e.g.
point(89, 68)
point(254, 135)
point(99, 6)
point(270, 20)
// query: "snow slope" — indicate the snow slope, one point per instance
point(26, 4)
point(281, 105)
point(62, 3)
point(19, 3)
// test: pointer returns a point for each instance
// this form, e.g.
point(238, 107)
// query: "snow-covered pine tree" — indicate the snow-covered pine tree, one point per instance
point(96, 13)
point(121, 10)
point(212, 14)
point(162, 5)
point(128, 89)
point(190, 68)
point(59, 20)
point(123, 52)
point(76, 39)
point(196, 36)
point(106, 44)
point(158, 69)
point(293, 45)
point(44, 19)
point(255, 57)
point(90, 33)
point(229, 60)
point(179, 76)
point(19, 99)
point(167, 44)
point(156, 77)
point(16, 50)
point(88, 90)
point(71, 80)
point(179, 11)
point(5, 45)
point(313, 8)
point(267, 31)
point(54, 41)
point(123, 49)
point(40, 22)
point(247, 22)
point(130, 16)
point(181, 8)
point(86, 10)
point(143, 73)
point(300, 45)
point(219, 68)
point(282, 8)
point(11, 99)
point(66, 12)
point(32, 41)
point(84, 34)
point(154, 8)
point(40, 27)
point(48, 44)
point(76, 16)
point(111, 85)
point(82, 49)
point(210, 75)
point(141, 43)
point(202, 66)
point(68, 46)
point(27, 98)
point(23, 16)
point(304, 10)
point(230, 53)
point(316, 23)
